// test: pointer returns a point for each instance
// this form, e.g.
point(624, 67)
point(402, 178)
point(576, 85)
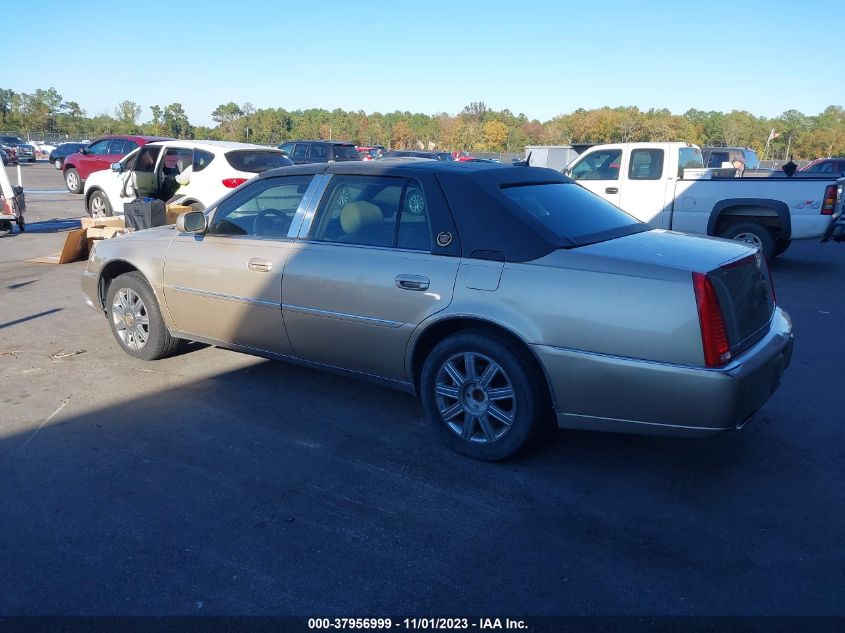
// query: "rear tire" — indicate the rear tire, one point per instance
point(135, 318)
point(57, 163)
point(5, 227)
point(72, 180)
point(482, 398)
point(753, 233)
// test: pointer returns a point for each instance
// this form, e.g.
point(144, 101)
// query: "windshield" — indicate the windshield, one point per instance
point(346, 152)
point(573, 213)
point(256, 161)
point(751, 160)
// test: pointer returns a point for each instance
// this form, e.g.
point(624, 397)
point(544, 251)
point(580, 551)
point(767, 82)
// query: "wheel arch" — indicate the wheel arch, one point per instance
point(759, 208)
point(433, 333)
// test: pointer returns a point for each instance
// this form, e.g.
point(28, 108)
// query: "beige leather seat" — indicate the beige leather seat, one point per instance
point(356, 216)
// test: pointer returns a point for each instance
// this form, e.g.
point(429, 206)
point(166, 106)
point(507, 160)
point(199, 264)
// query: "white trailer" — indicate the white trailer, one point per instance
point(552, 156)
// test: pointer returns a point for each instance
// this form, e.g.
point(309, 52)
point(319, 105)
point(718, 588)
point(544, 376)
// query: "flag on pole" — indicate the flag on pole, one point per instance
point(772, 135)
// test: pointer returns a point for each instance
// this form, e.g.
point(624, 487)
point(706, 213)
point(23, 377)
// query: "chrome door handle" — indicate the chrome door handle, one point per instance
point(412, 282)
point(611, 190)
point(260, 265)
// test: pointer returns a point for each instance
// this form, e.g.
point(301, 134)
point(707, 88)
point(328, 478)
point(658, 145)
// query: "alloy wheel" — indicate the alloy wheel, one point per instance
point(131, 319)
point(98, 206)
point(475, 397)
point(72, 180)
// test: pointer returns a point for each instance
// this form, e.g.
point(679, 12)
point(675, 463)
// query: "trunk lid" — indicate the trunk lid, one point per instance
point(738, 273)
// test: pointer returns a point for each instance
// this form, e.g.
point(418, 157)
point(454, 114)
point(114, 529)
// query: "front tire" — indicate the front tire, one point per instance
point(135, 318)
point(753, 233)
point(98, 205)
point(480, 395)
point(5, 227)
point(72, 180)
point(57, 163)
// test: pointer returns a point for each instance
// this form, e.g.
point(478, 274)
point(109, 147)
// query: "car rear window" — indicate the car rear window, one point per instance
point(572, 213)
point(346, 152)
point(256, 161)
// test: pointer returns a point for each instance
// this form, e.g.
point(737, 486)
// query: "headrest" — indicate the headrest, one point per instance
point(356, 215)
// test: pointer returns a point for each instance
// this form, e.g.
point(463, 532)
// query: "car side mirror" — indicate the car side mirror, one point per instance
point(191, 222)
point(84, 150)
point(118, 167)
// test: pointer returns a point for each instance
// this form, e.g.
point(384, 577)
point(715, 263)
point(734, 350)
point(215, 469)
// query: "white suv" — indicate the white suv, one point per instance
point(194, 173)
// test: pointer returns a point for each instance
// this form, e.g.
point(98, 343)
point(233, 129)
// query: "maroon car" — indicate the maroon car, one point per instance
point(100, 155)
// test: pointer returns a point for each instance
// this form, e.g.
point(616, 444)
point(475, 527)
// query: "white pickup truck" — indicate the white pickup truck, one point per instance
point(666, 185)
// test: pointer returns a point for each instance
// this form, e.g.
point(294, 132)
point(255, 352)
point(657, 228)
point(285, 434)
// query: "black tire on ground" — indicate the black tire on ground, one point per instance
point(781, 246)
point(31, 160)
point(101, 199)
point(755, 233)
point(473, 424)
point(21, 224)
point(5, 227)
point(72, 180)
point(57, 163)
point(159, 342)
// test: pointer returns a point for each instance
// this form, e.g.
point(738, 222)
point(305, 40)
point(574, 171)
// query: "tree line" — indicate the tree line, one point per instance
point(477, 128)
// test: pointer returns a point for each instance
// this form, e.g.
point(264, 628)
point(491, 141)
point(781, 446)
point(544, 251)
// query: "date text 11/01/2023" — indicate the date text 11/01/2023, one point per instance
point(433, 624)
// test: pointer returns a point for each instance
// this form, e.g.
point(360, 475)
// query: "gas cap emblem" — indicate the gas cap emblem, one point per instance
point(444, 239)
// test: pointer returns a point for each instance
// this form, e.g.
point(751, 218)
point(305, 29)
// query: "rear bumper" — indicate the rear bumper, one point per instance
point(607, 393)
point(836, 230)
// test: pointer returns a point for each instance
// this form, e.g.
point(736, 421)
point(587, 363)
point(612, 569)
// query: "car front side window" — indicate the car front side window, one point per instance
point(265, 208)
point(100, 148)
point(601, 165)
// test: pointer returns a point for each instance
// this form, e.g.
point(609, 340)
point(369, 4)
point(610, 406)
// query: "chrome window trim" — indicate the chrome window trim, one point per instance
point(391, 249)
point(225, 297)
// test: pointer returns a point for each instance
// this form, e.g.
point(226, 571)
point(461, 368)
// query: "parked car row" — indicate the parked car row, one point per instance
point(16, 149)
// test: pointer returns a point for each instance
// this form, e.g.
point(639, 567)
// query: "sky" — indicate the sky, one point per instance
point(537, 58)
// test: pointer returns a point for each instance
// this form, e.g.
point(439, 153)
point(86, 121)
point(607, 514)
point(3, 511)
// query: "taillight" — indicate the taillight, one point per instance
point(231, 183)
point(829, 200)
point(714, 336)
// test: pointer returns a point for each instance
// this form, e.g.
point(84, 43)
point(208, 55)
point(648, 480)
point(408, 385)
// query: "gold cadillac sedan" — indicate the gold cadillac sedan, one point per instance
point(502, 296)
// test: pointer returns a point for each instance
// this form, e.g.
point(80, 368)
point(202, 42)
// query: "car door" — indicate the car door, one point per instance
point(142, 179)
point(598, 171)
point(226, 285)
point(642, 193)
point(94, 159)
point(362, 276)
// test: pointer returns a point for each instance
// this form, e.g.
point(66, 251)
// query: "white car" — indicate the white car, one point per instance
point(194, 173)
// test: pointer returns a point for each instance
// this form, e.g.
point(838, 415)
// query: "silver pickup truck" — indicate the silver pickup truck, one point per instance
point(666, 185)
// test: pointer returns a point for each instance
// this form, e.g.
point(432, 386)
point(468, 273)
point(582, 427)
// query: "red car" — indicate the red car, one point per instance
point(100, 155)
point(826, 166)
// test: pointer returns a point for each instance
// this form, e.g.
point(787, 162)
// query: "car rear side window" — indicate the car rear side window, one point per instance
point(345, 152)
point(128, 146)
point(373, 211)
point(264, 208)
point(646, 164)
point(201, 160)
point(571, 212)
point(116, 146)
point(319, 151)
point(255, 161)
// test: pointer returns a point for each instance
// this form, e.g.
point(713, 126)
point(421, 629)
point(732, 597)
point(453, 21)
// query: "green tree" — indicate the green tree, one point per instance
point(226, 114)
point(127, 113)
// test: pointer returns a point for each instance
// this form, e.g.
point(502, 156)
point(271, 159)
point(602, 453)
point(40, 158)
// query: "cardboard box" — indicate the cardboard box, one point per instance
point(103, 232)
point(88, 223)
point(175, 210)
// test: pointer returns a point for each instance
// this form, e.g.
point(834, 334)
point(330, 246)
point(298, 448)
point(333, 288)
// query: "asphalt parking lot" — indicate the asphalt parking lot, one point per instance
point(217, 483)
